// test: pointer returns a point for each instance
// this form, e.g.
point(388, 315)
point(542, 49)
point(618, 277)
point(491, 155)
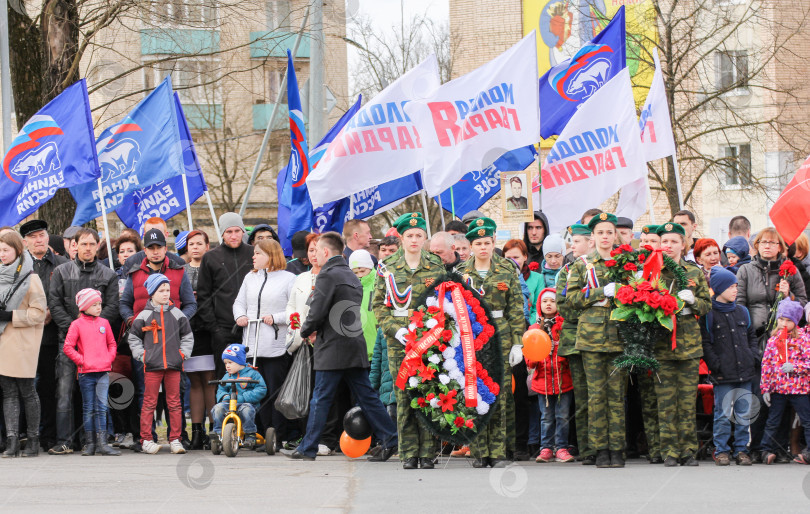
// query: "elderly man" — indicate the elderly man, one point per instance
point(442, 245)
point(221, 273)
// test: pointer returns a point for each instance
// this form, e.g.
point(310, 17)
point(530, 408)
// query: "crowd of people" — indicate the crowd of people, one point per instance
point(143, 331)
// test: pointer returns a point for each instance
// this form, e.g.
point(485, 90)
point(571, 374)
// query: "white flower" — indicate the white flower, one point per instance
point(432, 301)
point(431, 323)
point(449, 353)
point(482, 408)
point(450, 364)
point(456, 340)
point(458, 376)
point(434, 402)
point(444, 379)
point(449, 309)
point(413, 382)
point(435, 359)
point(411, 326)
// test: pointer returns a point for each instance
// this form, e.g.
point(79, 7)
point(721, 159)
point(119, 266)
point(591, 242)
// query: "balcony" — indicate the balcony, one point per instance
point(261, 114)
point(275, 44)
point(179, 41)
point(203, 116)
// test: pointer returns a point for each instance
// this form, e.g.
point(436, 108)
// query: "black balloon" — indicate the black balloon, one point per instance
point(356, 425)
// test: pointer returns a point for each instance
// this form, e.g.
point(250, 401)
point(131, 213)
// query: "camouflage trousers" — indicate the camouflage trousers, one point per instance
point(414, 439)
point(497, 439)
point(606, 390)
point(581, 403)
point(676, 394)
point(649, 412)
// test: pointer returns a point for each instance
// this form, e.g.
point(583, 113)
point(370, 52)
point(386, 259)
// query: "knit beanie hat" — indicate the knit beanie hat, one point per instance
point(235, 353)
point(553, 243)
point(87, 297)
point(228, 220)
point(791, 310)
point(180, 240)
point(361, 259)
point(721, 279)
point(154, 281)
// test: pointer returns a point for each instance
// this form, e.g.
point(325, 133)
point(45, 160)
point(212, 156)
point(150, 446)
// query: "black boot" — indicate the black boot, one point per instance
point(12, 447)
point(616, 459)
point(426, 463)
point(2, 442)
point(31, 446)
point(411, 463)
point(103, 448)
point(89, 444)
point(197, 435)
point(603, 459)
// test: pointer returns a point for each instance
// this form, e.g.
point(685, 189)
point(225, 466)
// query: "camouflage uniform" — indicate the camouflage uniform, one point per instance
point(598, 343)
point(568, 339)
point(503, 296)
point(414, 439)
point(649, 412)
point(676, 387)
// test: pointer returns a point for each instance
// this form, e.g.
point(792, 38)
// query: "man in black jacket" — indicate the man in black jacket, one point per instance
point(339, 351)
point(534, 233)
point(35, 235)
point(221, 273)
point(67, 280)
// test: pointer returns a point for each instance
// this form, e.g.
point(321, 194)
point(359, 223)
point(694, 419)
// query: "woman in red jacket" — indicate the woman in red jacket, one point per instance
point(552, 382)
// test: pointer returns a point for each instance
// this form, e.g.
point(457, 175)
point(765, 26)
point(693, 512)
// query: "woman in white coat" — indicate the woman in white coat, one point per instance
point(301, 291)
point(263, 296)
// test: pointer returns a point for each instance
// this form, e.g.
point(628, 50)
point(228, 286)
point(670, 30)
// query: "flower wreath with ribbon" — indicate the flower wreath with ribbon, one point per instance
point(453, 368)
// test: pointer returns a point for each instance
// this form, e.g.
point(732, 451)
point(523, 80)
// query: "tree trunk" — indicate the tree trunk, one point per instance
point(25, 62)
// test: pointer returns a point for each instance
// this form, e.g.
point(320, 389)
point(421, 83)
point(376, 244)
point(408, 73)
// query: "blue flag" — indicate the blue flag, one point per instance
point(565, 86)
point(472, 191)
point(139, 151)
point(165, 199)
point(54, 149)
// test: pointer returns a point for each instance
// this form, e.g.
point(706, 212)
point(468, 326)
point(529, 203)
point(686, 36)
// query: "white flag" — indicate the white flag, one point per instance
point(633, 199)
point(469, 122)
point(656, 127)
point(598, 152)
point(379, 144)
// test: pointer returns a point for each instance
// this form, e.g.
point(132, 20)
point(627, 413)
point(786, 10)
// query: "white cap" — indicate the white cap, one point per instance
point(360, 259)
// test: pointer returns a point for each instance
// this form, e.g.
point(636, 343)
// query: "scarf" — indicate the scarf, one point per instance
point(723, 307)
point(18, 272)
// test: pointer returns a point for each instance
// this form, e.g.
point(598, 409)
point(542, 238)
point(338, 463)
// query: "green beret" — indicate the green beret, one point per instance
point(600, 218)
point(670, 228)
point(409, 221)
point(650, 229)
point(481, 227)
point(579, 230)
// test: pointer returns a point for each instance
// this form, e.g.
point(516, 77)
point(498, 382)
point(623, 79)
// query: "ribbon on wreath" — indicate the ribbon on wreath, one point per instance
point(413, 357)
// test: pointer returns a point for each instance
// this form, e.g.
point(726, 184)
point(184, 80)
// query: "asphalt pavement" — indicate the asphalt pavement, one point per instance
point(200, 482)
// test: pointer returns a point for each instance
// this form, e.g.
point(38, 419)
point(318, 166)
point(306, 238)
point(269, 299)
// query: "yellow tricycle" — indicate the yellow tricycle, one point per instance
point(233, 437)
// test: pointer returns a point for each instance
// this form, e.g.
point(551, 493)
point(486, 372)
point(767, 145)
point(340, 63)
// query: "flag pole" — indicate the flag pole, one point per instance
point(677, 180)
point(213, 216)
point(452, 203)
point(427, 216)
point(441, 210)
point(282, 90)
point(106, 226)
point(188, 204)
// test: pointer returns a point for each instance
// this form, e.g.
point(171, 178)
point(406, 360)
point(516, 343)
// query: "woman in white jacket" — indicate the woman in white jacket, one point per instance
point(264, 295)
point(301, 291)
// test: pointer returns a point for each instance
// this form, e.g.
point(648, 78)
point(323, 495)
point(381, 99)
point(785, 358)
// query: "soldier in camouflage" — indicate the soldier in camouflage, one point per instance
point(580, 245)
point(590, 296)
point(410, 266)
point(646, 381)
point(678, 375)
point(495, 278)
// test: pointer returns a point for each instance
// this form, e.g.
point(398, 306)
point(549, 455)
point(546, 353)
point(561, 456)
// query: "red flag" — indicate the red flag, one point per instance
point(791, 212)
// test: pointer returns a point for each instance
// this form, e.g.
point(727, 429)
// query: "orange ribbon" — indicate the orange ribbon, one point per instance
point(674, 330)
point(154, 328)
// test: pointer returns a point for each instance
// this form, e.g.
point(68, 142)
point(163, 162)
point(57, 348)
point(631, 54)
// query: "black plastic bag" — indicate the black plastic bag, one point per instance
point(293, 398)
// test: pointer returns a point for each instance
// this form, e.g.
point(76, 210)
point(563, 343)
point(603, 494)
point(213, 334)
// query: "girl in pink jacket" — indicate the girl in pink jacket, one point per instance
point(786, 377)
point(91, 345)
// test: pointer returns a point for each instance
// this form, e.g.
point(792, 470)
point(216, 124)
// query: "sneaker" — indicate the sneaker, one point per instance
point(250, 442)
point(546, 455)
point(721, 459)
point(292, 445)
point(323, 450)
point(150, 447)
point(563, 455)
point(464, 451)
point(743, 459)
point(127, 442)
point(60, 449)
point(176, 446)
point(117, 440)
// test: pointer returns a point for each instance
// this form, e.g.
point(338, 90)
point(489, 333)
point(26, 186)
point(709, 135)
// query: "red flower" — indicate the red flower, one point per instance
point(427, 373)
point(430, 396)
point(630, 267)
point(442, 347)
point(469, 423)
point(610, 263)
point(654, 300)
point(494, 388)
point(625, 294)
point(787, 269)
point(626, 248)
point(644, 286)
point(446, 401)
point(447, 336)
point(669, 304)
point(421, 402)
point(641, 296)
point(615, 252)
point(533, 266)
point(459, 421)
point(641, 258)
point(433, 309)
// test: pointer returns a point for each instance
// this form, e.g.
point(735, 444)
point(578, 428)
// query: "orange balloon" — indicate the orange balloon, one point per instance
point(354, 448)
point(536, 345)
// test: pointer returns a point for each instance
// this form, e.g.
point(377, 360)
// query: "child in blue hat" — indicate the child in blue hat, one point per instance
point(248, 394)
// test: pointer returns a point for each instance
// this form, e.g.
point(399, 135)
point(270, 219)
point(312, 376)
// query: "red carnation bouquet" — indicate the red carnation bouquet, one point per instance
point(295, 321)
point(786, 270)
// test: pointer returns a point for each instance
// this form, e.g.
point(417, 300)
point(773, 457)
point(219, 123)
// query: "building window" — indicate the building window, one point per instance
point(732, 69)
point(190, 79)
point(278, 14)
point(190, 13)
point(736, 163)
point(272, 84)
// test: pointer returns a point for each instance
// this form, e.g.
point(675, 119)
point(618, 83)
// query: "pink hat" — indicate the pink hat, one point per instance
point(549, 291)
point(87, 297)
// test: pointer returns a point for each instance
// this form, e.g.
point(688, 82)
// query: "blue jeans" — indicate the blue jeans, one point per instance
point(554, 421)
point(94, 387)
point(534, 419)
point(800, 403)
point(733, 404)
point(65, 381)
point(246, 412)
point(326, 383)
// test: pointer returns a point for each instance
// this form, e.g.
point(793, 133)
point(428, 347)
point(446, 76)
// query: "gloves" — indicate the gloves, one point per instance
point(400, 335)
point(515, 355)
point(610, 290)
point(766, 397)
point(788, 367)
point(687, 295)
